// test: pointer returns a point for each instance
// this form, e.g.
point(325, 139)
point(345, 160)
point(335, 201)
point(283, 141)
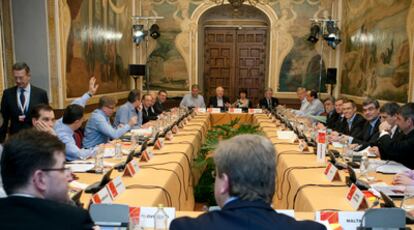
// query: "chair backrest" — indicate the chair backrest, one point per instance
point(110, 215)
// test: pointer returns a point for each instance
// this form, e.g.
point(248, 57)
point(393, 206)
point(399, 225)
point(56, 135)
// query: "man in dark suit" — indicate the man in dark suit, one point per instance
point(36, 181)
point(244, 187)
point(268, 102)
point(219, 101)
point(331, 115)
point(18, 101)
point(148, 112)
point(351, 125)
point(370, 131)
point(159, 103)
point(399, 149)
point(338, 109)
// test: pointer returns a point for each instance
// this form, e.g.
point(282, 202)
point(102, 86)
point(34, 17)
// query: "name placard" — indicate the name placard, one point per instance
point(253, 111)
point(321, 147)
point(235, 110)
point(200, 110)
point(131, 168)
point(331, 172)
point(214, 110)
point(356, 198)
point(340, 220)
point(169, 136)
point(146, 155)
point(115, 187)
point(174, 129)
point(102, 197)
point(159, 143)
point(145, 215)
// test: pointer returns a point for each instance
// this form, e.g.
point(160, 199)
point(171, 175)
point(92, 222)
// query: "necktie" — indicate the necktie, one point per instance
point(370, 129)
point(269, 103)
point(22, 98)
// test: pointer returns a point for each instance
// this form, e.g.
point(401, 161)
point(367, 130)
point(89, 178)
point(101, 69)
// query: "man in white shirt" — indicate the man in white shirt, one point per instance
point(193, 99)
point(314, 107)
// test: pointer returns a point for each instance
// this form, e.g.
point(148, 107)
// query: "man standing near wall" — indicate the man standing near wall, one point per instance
point(18, 101)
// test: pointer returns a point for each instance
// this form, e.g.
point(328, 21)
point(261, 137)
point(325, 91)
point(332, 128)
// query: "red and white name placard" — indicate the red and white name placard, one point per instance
point(115, 187)
point(321, 147)
point(251, 111)
point(174, 129)
point(235, 110)
point(146, 155)
point(340, 220)
point(356, 198)
point(131, 168)
point(159, 143)
point(200, 110)
point(145, 216)
point(332, 173)
point(214, 110)
point(169, 136)
point(102, 197)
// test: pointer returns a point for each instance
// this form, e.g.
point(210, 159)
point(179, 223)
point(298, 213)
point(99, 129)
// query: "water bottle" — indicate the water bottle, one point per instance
point(160, 219)
point(364, 165)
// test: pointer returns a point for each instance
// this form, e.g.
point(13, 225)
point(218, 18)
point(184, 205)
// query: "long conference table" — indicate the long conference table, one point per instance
point(168, 178)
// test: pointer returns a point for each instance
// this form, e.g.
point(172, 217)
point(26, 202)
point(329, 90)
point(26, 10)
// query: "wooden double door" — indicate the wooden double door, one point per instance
point(235, 59)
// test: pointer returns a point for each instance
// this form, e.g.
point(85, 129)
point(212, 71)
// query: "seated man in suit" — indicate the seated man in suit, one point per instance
point(18, 101)
point(352, 124)
point(99, 129)
point(244, 187)
point(148, 112)
point(330, 112)
point(36, 181)
point(219, 101)
point(268, 102)
point(388, 113)
point(131, 108)
point(370, 132)
point(159, 103)
point(338, 109)
point(399, 149)
point(193, 99)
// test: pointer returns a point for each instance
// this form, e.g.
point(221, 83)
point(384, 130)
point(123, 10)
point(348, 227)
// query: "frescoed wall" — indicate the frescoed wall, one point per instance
point(96, 41)
point(376, 62)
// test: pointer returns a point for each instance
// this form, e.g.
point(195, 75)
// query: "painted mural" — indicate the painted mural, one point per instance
point(300, 65)
point(96, 36)
point(376, 61)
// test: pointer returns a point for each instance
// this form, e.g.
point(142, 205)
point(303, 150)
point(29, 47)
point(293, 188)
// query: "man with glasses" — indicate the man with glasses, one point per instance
point(244, 186)
point(98, 129)
point(36, 182)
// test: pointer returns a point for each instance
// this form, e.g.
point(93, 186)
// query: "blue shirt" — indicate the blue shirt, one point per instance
point(190, 101)
point(124, 114)
point(65, 134)
point(99, 130)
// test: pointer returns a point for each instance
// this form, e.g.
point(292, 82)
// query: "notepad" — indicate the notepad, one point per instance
point(80, 167)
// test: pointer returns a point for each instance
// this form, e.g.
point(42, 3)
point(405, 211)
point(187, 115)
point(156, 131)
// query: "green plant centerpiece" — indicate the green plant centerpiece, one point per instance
point(204, 190)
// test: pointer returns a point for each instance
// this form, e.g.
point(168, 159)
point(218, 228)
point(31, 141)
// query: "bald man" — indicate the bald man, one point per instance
point(219, 101)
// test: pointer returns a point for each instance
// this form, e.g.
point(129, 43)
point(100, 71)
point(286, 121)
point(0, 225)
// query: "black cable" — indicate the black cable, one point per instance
point(178, 178)
point(184, 142)
point(190, 175)
point(166, 193)
point(288, 180)
point(182, 170)
point(314, 185)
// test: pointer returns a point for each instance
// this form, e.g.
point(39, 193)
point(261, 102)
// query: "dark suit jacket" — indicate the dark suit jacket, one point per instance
point(367, 139)
point(158, 107)
point(241, 214)
point(356, 127)
point(263, 103)
point(399, 148)
point(213, 102)
point(11, 111)
point(33, 213)
point(331, 120)
point(148, 115)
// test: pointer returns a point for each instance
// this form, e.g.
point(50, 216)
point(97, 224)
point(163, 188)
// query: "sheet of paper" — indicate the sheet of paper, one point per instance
point(392, 168)
point(80, 167)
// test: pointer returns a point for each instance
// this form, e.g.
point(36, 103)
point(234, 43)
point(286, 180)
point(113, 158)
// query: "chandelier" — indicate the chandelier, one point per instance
point(236, 4)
